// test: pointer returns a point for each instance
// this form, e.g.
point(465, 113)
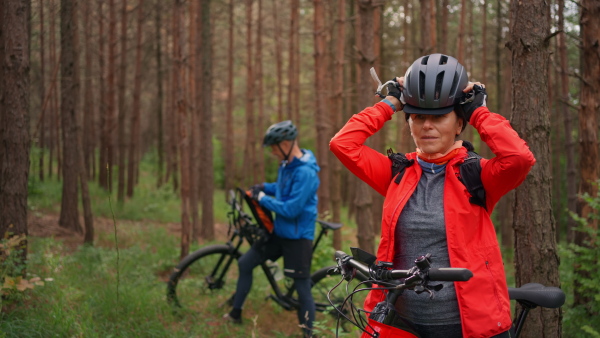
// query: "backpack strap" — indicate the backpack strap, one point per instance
point(399, 164)
point(470, 176)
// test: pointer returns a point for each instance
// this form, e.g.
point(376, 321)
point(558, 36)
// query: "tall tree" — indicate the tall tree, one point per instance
point(102, 106)
point(260, 121)
point(335, 117)
point(184, 130)
point(250, 147)
point(321, 123)
point(444, 27)
point(278, 61)
point(159, 92)
point(567, 118)
point(88, 93)
point(42, 92)
point(426, 30)
point(14, 117)
point(107, 144)
point(122, 113)
point(460, 53)
point(69, 84)
point(293, 66)
point(206, 127)
point(588, 119)
point(134, 134)
point(195, 87)
point(229, 147)
point(536, 257)
point(366, 59)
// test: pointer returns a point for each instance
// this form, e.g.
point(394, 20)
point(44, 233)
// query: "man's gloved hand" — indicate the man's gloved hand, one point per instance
point(473, 100)
point(256, 189)
point(395, 90)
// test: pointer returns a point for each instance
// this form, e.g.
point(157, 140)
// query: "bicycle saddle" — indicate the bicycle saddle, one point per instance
point(538, 294)
point(330, 225)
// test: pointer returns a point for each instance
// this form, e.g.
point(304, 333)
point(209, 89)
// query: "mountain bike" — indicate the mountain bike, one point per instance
point(212, 270)
point(417, 279)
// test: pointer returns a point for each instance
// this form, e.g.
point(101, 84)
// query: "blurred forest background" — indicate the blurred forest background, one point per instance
point(147, 110)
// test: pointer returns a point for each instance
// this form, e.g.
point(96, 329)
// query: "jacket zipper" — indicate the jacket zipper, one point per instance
point(487, 266)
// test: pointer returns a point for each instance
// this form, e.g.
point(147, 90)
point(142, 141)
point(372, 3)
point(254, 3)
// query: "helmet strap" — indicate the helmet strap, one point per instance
point(286, 156)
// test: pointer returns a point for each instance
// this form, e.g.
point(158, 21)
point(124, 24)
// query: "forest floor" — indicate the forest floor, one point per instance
point(262, 317)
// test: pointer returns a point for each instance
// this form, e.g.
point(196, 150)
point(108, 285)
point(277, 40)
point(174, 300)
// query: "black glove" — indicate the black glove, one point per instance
point(255, 190)
point(395, 90)
point(473, 100)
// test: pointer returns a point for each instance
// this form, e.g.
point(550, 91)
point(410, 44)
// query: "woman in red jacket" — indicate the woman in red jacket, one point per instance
point(428, 210)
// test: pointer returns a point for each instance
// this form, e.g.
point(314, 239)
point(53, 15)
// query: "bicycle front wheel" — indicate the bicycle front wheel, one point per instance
point(211, 271)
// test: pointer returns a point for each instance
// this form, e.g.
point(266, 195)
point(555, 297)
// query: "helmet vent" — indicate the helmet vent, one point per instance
point(438, 85)
point(424, 60)
point(454, 84)
point(443, 60)
point(422, 85)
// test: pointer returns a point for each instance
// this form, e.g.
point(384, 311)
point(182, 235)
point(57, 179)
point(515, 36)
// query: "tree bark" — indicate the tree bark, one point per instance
point(134, 134)
point(14, 118)
point(335, 117)
point(460, 53)
point(250, 148)
point(102, 107)
point(122, 115)
point(425, 27)
point(208, 230)
point(260, 164)
point(588, 124)
point(321, 123)
point(43, 118)
point(568, 122)
point(89, 110)
point(159, 94)
point(278, 61)
point(293, 67)
point(229, 141)
point(363, 200)
point(444, 28)
point(69, 84)
point(536, 257)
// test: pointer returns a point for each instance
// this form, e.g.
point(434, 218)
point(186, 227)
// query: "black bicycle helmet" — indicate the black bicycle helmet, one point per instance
point(279, 132)
point(433, 84)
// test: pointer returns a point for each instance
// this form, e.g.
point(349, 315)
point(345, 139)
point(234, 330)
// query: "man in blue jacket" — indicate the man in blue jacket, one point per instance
point(293, 199)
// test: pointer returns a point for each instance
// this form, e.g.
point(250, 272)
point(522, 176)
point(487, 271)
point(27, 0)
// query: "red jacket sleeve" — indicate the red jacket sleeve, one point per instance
point(513, 159)
point(348, 145)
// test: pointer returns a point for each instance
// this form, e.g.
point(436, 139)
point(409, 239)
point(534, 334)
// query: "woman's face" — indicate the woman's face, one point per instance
point(434, 133)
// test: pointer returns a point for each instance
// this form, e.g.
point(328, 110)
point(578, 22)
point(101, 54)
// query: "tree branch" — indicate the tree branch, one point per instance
point(547, 39)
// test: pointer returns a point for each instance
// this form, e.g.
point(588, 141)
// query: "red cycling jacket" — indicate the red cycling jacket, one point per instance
point(483, 301)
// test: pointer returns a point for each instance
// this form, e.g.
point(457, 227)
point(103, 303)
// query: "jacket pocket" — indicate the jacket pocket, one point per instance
point(493, 277)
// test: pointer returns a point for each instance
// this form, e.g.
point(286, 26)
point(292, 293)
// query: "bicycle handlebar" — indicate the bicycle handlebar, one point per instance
point(433, 274)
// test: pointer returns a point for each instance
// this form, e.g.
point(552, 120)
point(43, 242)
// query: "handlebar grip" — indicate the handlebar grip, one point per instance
point(340, 254)
point(450, 274)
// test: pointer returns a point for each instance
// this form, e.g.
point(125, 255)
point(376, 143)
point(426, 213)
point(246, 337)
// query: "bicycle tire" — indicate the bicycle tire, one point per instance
point(194, 277)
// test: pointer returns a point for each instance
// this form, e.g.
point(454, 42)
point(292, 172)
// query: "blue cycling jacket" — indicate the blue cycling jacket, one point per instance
point(295, 202)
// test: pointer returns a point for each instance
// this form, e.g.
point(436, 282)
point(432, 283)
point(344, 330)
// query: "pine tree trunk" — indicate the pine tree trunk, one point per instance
point(536, 257)
point(134, 134)
point(122, 115)
point(195, 87)
point(88, 99)
point(363, 200)
point(567, 116)
point(321, 124)
point(425, 46)
point(14, 118)
point(278, 61)
point(42, 141)
point(102, 112)
point(460, 53)
point(229, 141)
point(69, 84)
point(260, 164)
point(208, 229)
point(336, 121)
point(444, 27)
point(588, 124)
point(250, 175)
point(159, 94)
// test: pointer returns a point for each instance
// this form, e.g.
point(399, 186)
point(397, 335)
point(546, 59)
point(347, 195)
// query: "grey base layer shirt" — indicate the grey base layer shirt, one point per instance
point(420, 230)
